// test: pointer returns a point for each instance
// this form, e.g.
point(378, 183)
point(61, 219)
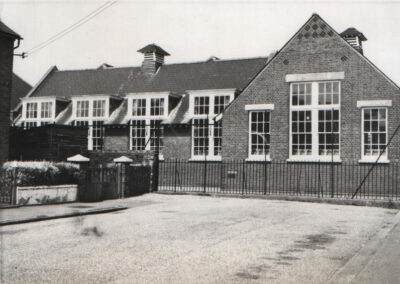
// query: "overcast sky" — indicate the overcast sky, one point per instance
point(189, 31)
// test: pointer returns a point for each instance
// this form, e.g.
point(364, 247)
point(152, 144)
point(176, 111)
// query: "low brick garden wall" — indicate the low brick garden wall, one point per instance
point(34, 195)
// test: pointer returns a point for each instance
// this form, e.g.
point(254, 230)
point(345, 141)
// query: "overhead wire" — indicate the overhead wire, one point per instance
point(71, 28)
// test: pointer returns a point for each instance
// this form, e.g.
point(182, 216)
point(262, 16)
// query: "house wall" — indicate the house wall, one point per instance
point(107, 158)
point(177, 142)
point(328, 53)
point(6, 62)
point(116, 139)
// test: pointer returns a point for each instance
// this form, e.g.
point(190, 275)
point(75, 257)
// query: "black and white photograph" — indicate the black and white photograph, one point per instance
point(177, 141)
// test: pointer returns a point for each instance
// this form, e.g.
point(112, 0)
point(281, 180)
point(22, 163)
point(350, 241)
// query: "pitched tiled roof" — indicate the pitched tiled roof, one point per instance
point(7, 30)
point(19, 89)
point(180, 113)
point(220, 74)
point(119, 114)
point(84, 82)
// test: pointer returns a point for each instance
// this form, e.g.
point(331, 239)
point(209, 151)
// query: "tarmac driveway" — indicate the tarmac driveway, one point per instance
point(192, 239)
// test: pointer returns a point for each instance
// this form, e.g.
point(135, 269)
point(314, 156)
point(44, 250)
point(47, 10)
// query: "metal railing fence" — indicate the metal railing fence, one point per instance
point(319, 179)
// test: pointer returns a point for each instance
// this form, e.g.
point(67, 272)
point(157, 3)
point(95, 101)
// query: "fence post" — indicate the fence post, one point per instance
point(205, 174)
point(319, 179)
point(332, 180)
point(243, 176)
point(14, 188)
point(156, 158)
point(176, 173)
point(265, 177)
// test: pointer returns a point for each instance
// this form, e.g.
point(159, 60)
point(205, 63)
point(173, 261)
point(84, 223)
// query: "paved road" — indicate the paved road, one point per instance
point(193, 239)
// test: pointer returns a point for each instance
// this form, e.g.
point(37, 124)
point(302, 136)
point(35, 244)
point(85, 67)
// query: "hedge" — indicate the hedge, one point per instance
point(38, 173)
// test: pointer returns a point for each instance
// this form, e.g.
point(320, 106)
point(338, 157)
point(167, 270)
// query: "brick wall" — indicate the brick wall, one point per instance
point(6, 61)
point(104, 157)
point(326, 53)
point(116, 138)
point(177, 142)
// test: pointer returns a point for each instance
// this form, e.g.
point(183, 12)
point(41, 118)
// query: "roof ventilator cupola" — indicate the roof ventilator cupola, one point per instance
point(354, 38)
point(153, 58)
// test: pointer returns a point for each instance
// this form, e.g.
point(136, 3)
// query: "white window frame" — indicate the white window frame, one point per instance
point(258, 157)
point(90, 118)
point(314, 107)
point(148, 118)
point(210, 116)
point(32, 108)
point(39, 120)
point(96, 109)
point(137, 107)
point(373, 158)
point(48, 109)
point(94, 129)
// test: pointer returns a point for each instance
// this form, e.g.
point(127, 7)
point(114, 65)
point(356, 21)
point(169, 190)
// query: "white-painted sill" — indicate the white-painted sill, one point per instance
point(373, 161)
point(315, 160)
point(205, 159)
point(258, 159)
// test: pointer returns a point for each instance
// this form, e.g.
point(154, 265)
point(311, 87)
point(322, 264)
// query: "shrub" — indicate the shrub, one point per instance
point(38, 173)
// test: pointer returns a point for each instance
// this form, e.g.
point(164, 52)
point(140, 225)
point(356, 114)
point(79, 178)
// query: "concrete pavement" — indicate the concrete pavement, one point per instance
point(384, 266)
point(25, 214)
point(193, 239)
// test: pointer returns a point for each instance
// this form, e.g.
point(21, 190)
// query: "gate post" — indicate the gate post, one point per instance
point(156, 158)
point(122, 173)
point(84, 175)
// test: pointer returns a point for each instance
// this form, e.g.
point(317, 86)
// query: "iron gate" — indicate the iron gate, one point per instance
point(139, 180)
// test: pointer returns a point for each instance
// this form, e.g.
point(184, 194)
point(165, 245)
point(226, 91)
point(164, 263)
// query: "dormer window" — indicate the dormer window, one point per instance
point(220, 103)
point(38, 112)
point(31, 110)
point(99, 107)
point(82, 109)
point(138, 107)
point(201, 105)
point(46, 110)
point(157, 106)
point(92, 112)
point(146, 112)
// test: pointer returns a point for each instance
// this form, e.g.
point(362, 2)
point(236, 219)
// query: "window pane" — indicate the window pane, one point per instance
point(99, 108)
point(260, 133)
point(328, 93)
point(82, 109)
point(157, 107)
point(138, 135)
point(220, 103)
point(46, 110)
point(200, 137)
point(301, 133)
point(97, 130)
point(156, 135)
point(31, 110)
point(374, 131)
point(328, 136)
point(201, 105)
